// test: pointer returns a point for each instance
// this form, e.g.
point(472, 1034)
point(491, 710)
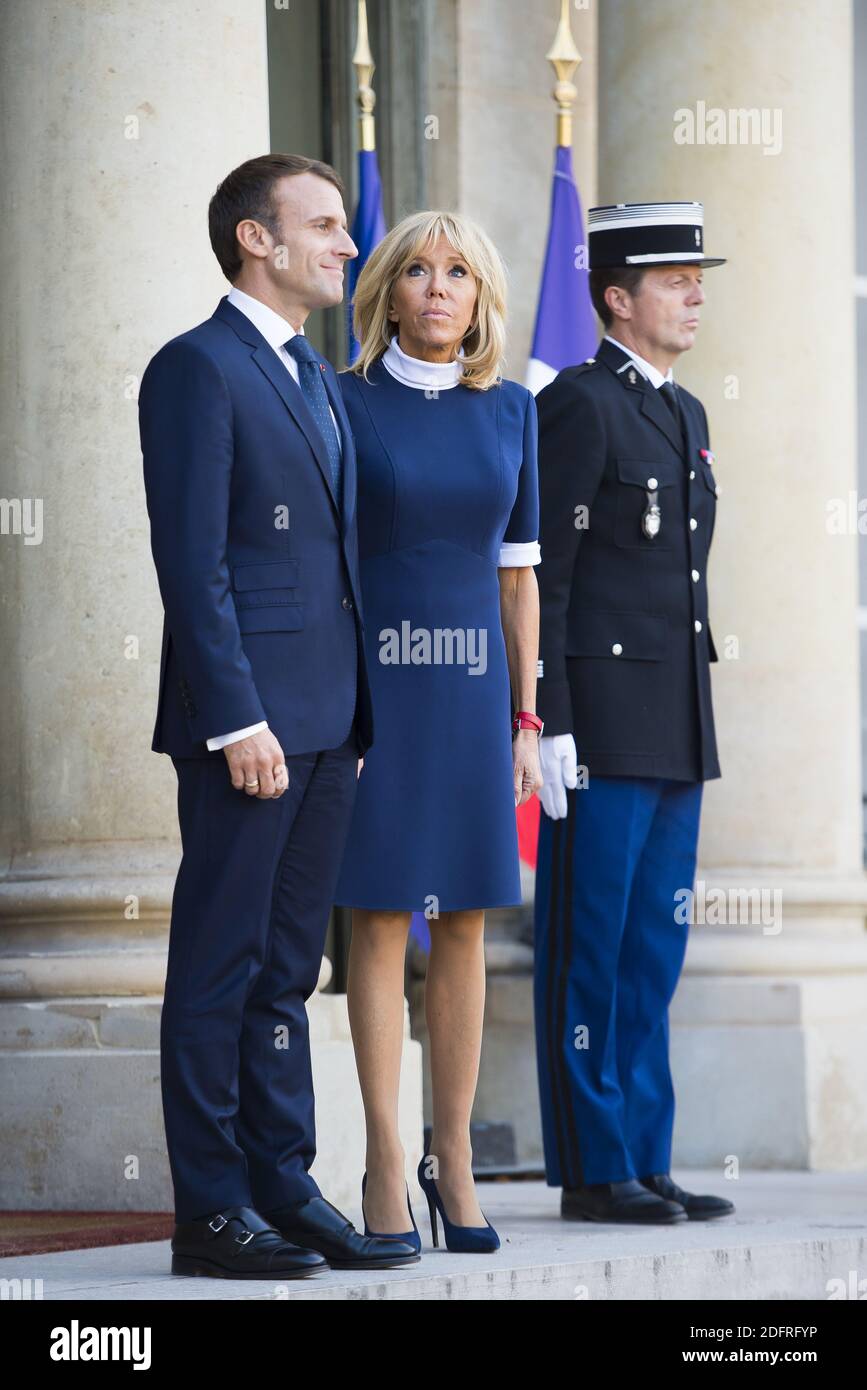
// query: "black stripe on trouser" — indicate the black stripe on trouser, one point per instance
point(553, 1050)
point(564, 1118)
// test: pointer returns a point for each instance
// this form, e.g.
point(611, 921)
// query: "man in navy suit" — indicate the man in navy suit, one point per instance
point(264, 708)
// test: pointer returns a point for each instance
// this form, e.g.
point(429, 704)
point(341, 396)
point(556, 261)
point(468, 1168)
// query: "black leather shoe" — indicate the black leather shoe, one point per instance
point(238, 1243)
point(318, 1225)
point(697, 1208)
point(619, 1201)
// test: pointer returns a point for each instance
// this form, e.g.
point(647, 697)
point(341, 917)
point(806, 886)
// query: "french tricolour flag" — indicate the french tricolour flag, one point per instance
point(565, 333)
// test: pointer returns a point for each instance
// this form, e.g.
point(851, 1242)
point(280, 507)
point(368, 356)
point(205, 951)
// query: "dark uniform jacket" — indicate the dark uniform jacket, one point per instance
point(625, 639)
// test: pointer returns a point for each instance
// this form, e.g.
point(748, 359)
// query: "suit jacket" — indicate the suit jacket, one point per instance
point(625, 639)
point(257, 568)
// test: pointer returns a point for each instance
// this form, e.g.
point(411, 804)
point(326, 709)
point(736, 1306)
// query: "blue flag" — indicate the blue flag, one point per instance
point(368, 228)
point(420, 931)
point(565, 331)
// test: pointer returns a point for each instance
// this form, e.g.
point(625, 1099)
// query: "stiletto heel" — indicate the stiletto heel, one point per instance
point(432, 1213)
point(408, 1237)
point(464, 1239)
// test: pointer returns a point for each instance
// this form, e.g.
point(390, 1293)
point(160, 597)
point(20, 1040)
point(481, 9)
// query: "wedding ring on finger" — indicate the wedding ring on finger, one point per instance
point(254, 783)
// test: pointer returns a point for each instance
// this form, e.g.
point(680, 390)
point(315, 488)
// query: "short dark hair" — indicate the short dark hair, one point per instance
point(249, 192)
point(626, 277)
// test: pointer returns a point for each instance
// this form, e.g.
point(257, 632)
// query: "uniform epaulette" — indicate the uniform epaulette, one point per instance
point(587, 365)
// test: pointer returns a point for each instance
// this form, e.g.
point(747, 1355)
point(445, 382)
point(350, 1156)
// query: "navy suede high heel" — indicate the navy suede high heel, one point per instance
point(408, 1237)
point(477, 1240)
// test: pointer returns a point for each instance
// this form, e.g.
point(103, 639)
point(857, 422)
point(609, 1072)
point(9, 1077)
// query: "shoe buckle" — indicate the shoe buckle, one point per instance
point(244, 1238)
point(214, 1227)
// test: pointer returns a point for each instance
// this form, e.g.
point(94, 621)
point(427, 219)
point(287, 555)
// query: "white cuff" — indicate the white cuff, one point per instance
point(519, 553)
point(223, 739)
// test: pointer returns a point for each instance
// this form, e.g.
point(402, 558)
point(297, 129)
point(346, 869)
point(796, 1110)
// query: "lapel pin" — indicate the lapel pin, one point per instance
point(632, 376)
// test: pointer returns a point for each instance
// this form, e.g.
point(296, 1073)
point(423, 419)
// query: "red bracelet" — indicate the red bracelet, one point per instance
point(525, 720)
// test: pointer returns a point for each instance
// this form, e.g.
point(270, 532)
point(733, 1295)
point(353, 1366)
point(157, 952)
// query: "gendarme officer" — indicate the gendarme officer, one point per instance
point(628, 501)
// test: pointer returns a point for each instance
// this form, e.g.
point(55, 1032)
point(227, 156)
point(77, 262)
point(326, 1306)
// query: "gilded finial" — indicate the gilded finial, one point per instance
point(362, 61)
point(564, 58)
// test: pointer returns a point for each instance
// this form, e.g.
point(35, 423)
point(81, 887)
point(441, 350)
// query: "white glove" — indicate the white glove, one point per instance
point(559, 759)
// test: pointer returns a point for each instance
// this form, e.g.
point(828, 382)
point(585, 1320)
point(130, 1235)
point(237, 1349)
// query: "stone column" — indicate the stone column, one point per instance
point(491, 148)
point(492, 157)
point(118, 121)
point(749, 109)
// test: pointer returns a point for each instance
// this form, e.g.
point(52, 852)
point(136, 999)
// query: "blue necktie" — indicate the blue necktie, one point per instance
point(313, 387)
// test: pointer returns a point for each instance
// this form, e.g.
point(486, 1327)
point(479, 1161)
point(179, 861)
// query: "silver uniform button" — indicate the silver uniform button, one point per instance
point(692, 472)
point(693, 524)
point(617, 649)
point(653, 484)
point(697, 625)
point(695, 576)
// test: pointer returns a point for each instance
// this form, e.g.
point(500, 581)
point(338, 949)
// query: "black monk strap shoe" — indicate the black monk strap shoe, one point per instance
point(318, 1225)
point(238, 1243)
point(619, 1201)
point(697, 1208)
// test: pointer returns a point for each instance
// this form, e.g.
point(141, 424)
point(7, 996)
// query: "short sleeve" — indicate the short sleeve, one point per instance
point(520, 544)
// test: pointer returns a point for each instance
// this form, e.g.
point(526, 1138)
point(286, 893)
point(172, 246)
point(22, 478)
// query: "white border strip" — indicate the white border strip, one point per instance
point(680, 219)
point(677, 256)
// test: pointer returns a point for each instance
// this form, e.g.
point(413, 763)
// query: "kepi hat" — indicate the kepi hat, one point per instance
point(641, 234)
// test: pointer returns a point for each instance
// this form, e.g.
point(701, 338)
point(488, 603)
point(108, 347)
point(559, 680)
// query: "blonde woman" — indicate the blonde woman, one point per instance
point(447, 526)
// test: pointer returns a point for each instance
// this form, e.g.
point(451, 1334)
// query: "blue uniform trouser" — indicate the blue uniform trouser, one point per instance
point(610, 942)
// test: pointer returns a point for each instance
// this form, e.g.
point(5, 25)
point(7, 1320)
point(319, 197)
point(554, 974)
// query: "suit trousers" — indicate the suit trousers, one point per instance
point(249, 916)
point(610, 939)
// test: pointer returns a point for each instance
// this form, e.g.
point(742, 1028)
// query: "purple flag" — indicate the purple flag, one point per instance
point(368, 228)
point(565, 331)
point(420, 931)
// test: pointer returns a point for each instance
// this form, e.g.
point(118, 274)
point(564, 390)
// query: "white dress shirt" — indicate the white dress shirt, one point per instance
point(653, 374)
point(276, 331)
point(440, 376)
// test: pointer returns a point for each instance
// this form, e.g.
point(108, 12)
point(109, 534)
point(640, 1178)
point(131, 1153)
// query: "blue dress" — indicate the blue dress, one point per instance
point(443, 479)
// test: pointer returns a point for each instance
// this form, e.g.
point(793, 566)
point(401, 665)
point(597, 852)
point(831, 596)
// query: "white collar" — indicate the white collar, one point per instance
point(274, 328)
point(413, 371)
point(653, 374)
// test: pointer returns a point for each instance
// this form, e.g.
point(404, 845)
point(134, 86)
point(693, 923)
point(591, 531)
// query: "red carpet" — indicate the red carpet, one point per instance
point(39, 1232)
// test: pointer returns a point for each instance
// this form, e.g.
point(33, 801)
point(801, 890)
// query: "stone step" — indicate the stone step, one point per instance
point(793, 1236)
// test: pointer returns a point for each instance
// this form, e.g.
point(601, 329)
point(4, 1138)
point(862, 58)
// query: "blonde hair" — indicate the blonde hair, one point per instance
point(484, 343)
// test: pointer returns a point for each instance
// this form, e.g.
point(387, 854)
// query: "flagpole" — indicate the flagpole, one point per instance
point(564, 58)
point(564, 332)
point(362, 61)
point(368, 223)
